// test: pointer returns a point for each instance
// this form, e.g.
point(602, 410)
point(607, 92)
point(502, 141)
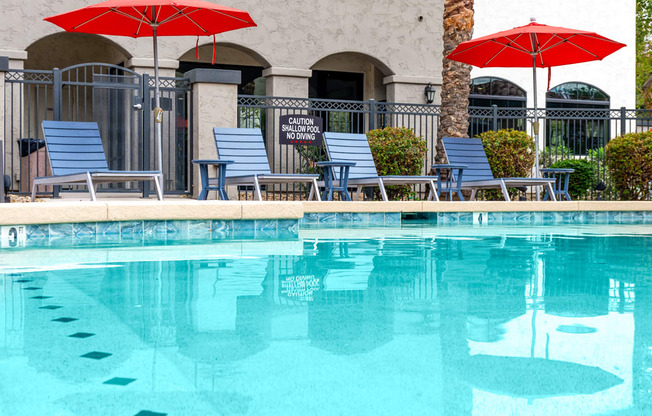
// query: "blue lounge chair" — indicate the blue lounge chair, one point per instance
point(77, 158)
point(245, 147)
point(477, 173)
point(350, 147)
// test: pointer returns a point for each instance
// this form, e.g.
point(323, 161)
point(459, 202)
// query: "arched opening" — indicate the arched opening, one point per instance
point(489, 91)
point(231, 57)
point(577, 135)
point(349, 76)
point(62, 50)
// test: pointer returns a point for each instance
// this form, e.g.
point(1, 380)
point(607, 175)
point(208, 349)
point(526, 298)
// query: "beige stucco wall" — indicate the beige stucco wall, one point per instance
point(290, 34)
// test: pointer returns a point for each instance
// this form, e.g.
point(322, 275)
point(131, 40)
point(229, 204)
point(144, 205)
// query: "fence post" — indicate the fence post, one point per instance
point(494, 124)
point(56, 94)
point(372, 114)
point(4, 67)
point(146, 114)
point(215, 104)
point(623, 118)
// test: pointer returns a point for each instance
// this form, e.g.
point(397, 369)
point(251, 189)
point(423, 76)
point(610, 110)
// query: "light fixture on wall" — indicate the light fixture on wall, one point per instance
point(429, 92)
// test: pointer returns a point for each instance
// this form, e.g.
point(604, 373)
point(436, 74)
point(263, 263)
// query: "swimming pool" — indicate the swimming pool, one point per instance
point(404, 320)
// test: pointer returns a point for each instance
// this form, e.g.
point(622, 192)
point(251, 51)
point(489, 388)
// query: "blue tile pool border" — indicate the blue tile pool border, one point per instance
point(157, 231)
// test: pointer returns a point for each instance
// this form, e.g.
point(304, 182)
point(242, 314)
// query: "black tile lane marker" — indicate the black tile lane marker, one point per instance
point(119, 381)
point(64, 320)
point(32, 288)
point(22, 281)
point(149, 413)
point(40, 297)
point(81, 335)
point(96, 355)
point(51, 307)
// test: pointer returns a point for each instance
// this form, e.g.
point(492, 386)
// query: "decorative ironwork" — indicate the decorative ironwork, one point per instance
point(27, 76)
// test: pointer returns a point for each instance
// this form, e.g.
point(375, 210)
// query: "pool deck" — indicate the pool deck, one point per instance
point(121, 209)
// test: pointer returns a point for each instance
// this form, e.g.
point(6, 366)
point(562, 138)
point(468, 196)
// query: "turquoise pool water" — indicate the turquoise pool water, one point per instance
point(394, 321)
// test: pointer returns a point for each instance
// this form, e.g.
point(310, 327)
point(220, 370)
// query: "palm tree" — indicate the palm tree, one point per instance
point(456, 76)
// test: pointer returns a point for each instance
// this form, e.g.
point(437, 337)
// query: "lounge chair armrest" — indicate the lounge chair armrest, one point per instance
point(215, 162)
point(449, 166)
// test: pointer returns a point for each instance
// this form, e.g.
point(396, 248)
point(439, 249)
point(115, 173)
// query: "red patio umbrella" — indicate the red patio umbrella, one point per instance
point(143, 18)
point(534, 46)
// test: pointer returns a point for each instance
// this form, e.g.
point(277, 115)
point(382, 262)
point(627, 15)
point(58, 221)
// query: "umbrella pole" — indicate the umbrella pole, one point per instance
point(536, 121)
point(158, 112)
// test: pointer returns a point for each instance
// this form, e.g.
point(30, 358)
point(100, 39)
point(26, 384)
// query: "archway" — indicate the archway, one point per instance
point(62, 50)
point(576, 135)
point(232, 57)
point(349, 76)
point(489, 91)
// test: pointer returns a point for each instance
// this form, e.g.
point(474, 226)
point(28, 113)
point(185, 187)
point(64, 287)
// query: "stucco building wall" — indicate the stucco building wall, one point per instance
point(395, 44)
point(380, 38)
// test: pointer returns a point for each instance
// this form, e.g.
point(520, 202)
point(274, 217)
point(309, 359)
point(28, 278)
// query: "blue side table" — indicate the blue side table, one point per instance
point(205, 180)
point(329, 176)
point(560, 186)
point(453, 182)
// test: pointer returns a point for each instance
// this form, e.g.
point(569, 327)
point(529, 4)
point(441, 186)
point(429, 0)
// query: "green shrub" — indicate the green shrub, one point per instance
point(510, 154)
point(629, 159)
point(552, 154)
point(397, 151)
point(581, 180)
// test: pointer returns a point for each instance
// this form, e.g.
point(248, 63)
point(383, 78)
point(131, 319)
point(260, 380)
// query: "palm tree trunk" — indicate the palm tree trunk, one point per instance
point(456, 76)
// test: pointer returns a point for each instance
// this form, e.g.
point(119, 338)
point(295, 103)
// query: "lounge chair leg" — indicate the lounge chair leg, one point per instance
point(91, 187)
point(158, 184)
point(473, 192)
point(433, 192)
point(503, 189)
point(257, 193)
point(551, 192)
point(358, 191)
point(314, 191)
point(33, 190)
point(381, 185)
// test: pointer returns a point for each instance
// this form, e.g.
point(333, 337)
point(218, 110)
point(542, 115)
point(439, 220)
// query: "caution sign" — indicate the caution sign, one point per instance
point(298, 129)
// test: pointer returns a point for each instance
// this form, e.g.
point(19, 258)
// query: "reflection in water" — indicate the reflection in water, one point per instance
point(432, 325)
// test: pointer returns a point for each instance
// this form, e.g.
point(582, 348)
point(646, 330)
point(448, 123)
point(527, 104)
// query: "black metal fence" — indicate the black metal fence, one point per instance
point(565, 133)
point(119, 100)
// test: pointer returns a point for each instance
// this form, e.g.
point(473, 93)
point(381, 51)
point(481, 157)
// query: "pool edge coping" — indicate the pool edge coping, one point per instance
point(108, 211)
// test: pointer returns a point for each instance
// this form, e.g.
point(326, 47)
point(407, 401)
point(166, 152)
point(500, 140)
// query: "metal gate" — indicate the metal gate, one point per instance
point(119, 100)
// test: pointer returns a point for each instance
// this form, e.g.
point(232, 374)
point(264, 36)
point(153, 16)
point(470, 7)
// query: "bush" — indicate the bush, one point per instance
point(397, 151)
point(581, 180)
point(510, 154)
point(552, 154)
point(629, 159)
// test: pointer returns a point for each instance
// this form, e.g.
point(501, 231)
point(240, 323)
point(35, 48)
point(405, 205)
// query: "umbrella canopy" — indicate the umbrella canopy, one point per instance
point(144, 18)
point(533, 377)
point(534, 46)
point(153, 18)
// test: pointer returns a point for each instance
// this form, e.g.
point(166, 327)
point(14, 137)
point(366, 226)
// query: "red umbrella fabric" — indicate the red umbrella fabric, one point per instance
point(534, 46)
point(137, 18)
point(550, 45)
point(153, 18)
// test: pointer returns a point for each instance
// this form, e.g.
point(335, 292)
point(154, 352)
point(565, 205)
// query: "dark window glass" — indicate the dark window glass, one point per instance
point(488, 91)
point(580, 134)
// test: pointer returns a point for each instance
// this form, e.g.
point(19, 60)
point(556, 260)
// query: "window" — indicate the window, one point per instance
point(488, 91)
point(579, 134)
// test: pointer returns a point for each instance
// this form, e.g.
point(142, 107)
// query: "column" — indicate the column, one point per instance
point(13, 116)
point(4, 66)
point(287, 82)
point(408, 89)
point(215, 104)
point(166, 67)
point(283, 82)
